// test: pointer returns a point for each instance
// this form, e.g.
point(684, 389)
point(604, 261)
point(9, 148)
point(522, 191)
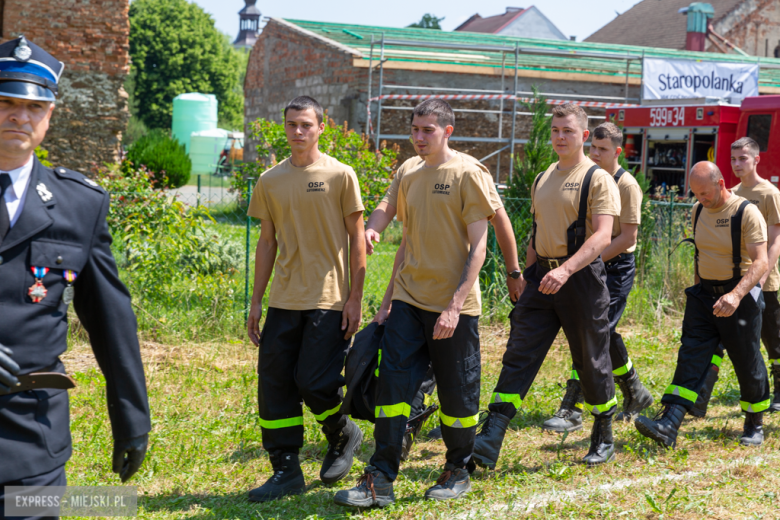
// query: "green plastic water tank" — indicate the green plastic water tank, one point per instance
point(205, 147)
point(193, 112)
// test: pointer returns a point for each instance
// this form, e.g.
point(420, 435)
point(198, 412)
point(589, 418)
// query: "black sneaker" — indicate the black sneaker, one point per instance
point(286, 480)
point(341, 447)
point(373, 489)
point(452, 483)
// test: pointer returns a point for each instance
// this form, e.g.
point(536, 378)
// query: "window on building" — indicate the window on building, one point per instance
point(758, 129)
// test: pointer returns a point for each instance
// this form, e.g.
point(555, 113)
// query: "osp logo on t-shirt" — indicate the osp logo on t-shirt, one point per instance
point(754, 202)
point(571, 186)
point(316, 186)
point(441, 189)
point(722, 222)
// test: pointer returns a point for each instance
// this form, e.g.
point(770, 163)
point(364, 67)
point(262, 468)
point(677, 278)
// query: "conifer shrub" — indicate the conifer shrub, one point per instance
point(163, 156)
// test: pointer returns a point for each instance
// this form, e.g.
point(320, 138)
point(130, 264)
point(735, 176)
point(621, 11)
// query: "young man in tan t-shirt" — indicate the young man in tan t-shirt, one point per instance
point(310, 211)
point(618, 259)
point(723, 307)
point(744, 161)
point(445, 206)
point(382, 216)
point(566, 287)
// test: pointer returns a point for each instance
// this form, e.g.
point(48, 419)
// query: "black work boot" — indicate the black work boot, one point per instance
point(487, 444)
point(452, 483)
point(700, 406)
point(635, 396)
point(753, 433)
point(663, 428)
point(602, 448)
point(435, 434)
point(341, 447)
point(286, 480)
point(568, 418)
point(775, 406)
point(373, 489)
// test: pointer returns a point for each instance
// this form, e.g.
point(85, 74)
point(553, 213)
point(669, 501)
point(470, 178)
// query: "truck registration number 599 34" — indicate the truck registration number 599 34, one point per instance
point(674, 116)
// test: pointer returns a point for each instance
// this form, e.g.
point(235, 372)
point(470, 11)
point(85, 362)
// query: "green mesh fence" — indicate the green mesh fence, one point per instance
point(216, 303)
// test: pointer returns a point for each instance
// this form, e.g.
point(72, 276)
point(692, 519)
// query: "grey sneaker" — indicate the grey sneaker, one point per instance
point(373, 489)
point(452, 483)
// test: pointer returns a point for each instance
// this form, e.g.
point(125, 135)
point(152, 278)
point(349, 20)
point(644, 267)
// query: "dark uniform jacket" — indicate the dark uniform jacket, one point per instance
point(63, 226)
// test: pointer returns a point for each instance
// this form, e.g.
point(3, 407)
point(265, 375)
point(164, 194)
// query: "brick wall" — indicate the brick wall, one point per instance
point(91, 38)
point(753, 26)
point(286, 62)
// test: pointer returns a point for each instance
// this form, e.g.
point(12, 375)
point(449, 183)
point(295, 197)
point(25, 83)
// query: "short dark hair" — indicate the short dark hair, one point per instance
point(304, 103)
point(746, 142)
point(568, 109)
point(437, 107)
point(609, 131)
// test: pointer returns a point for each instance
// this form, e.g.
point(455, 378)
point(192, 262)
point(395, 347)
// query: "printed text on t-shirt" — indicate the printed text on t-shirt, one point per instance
point(441, 189)
point(316, 186)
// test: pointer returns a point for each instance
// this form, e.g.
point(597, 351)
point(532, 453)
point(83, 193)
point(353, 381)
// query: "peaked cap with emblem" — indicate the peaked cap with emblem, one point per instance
point(27, 71)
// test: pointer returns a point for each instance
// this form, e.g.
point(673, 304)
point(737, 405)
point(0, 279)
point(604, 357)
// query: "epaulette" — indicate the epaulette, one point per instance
point(80, 178)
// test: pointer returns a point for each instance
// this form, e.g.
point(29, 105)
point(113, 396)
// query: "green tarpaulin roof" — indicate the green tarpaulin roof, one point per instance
point(568, 55)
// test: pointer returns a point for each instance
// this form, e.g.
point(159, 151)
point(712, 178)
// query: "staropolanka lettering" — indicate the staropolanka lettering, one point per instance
point(670, 82)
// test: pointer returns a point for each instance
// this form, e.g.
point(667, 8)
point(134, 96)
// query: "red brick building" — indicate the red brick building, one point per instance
point(91, 37)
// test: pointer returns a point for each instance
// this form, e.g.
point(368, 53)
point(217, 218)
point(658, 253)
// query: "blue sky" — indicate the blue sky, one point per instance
point(574, 17)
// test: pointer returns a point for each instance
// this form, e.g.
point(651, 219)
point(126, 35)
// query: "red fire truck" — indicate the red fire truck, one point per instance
point(665, 141)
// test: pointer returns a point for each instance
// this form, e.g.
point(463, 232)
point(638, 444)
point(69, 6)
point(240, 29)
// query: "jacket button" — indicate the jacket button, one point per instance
point(59, 260)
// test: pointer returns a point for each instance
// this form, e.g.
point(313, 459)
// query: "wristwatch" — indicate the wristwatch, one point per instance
point(515, 274)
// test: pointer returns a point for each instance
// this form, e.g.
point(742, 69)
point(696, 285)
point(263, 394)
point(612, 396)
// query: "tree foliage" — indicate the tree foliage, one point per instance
point(538, 153)
point(428, 21)
point(175, 48)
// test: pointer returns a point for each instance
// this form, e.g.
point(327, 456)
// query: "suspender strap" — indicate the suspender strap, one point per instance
point(576, 233)
point(619, 174)
point(533, 215)
point(736, 238)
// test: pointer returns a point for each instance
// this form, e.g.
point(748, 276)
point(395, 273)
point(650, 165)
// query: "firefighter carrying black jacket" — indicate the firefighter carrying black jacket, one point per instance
point(723, 307)
point(574, 204)
point(444, 205)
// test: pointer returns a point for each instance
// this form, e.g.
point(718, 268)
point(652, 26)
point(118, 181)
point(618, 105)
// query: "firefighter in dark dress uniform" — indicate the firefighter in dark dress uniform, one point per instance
point(55, 251)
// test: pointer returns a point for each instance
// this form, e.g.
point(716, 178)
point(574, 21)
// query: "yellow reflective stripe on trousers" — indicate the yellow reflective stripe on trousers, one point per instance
point(325, 415)
point(458, 422)
point(392, 410)
point(717, 360)
point(574, 375)
point(755, 407)
point(625, 369)
point(601, 408)
point(679, 391)
point(281, 423)
point(774, 361)
point(378, 362)
point(515, 399)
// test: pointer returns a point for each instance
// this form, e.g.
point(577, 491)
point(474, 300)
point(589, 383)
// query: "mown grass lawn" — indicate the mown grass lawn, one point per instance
point(206, 452)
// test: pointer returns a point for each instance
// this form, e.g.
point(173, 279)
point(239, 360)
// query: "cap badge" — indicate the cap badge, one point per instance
point(22, 52)
point(43, 192)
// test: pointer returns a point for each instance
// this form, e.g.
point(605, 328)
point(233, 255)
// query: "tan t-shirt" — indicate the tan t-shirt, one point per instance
point(391, 195)
point(630, 205)
point(767, 197)
point(713, 238)
point(307, 207)
point(555, 203)
point(436, 205)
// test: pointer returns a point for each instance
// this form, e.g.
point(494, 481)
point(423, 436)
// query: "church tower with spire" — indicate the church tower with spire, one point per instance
point(249, 24)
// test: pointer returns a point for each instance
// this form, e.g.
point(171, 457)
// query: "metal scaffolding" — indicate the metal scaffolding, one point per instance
point(514, 96)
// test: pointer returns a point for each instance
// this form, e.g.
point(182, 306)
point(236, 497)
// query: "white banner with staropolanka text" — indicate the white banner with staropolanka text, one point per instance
point(689, 79)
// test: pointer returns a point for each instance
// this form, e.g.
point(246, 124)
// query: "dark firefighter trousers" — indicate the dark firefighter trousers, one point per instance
point(301, 359)
point(620, 279)
point(408, 349)
point(703, 332)
point(581, 308)
point(770, 331)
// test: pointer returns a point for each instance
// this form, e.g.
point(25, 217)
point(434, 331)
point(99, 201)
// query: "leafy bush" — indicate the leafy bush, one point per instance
point(180, 270)
point(162, 155)
point(43, 155)
point(374, 169)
